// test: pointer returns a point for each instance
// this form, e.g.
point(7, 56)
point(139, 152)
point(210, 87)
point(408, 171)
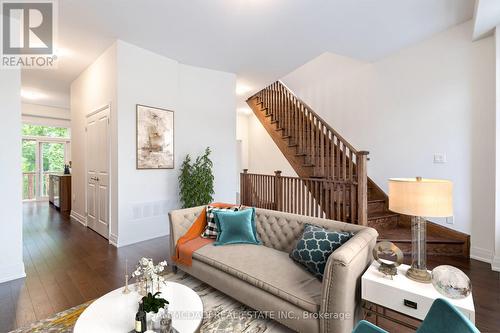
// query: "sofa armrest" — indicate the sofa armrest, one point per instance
point(342, 282)
point(180, 222)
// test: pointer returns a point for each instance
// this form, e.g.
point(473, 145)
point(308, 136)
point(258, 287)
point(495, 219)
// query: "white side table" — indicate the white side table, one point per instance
point(405, 296)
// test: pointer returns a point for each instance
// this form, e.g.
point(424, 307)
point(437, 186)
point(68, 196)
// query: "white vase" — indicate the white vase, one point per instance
point(153, 320)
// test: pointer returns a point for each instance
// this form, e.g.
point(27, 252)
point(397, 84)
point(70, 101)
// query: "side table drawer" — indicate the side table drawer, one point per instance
point(402, 301)
point(395, 299)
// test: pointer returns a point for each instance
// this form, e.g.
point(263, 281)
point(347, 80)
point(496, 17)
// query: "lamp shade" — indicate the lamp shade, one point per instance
point(421, 197)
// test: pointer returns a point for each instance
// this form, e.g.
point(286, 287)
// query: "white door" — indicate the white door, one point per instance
point(98, 171)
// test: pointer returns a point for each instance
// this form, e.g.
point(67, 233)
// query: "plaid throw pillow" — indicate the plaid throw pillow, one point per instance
point(211, 228)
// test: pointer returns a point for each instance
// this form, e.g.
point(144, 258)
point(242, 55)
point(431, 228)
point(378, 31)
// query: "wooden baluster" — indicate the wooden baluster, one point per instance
point(354, 207)
point(344, 202)
point(243, 187)
point(287, 112)
point(301, 198)
point(295, 120)
point(285, 198)
point(337, 158)
point(322, 143)
point(278, 104)
point(305, 127)
point(265, 187)
point(314, 201)
point(361, 159)
point(282, 108)
point(257, 191)
point(332, 201)
point(317, 144)
point(278, 195)
point(295, 196)
point(311, 138)
point(326, 204)
point(268, 92)
point(300, 127)
point(321, 198)
point(344, 163)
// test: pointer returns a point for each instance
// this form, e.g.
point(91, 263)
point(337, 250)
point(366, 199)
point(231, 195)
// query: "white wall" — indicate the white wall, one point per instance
point(204, 105)
point(92, 90)
point(11, 244)
point(36, 114)
point(496, 258)
point(434, 97)
point(263, 154)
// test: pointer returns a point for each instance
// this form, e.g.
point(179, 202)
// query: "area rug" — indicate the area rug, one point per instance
point(222, 314)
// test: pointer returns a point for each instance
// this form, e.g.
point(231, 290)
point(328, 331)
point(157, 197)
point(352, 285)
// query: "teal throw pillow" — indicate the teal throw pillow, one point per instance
point(236, 227)
point(315, 246)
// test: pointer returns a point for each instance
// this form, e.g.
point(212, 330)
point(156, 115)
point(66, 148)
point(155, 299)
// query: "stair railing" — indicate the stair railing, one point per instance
point(316, 197)
point(329, 155)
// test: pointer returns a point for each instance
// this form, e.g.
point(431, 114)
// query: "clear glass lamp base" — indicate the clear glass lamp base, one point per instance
point(418, 270)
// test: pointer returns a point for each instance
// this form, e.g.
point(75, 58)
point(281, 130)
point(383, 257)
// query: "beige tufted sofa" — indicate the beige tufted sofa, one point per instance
point(266, 279)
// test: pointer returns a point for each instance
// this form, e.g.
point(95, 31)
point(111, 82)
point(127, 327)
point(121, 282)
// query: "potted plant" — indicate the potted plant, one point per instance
point(154, 306)
point(196, 181)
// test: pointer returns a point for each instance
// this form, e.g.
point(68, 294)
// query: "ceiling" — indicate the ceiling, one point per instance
point(486, 18)
point(259, 40)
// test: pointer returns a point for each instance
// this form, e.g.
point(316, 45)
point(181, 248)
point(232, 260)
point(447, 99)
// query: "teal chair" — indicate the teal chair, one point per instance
point(366, 327)
point(442, 317)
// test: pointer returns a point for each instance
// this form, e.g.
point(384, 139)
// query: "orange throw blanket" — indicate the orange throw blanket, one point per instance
point(191, 240)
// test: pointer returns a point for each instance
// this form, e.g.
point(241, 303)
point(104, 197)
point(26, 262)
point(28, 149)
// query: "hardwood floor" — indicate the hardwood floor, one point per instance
point(68, 264)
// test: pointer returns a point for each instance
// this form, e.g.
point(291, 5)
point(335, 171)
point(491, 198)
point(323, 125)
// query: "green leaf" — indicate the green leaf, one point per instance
point(196, 180)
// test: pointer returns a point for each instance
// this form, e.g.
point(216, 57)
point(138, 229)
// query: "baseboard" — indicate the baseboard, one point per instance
point(495, 263)
point(481, 254)
point(113, 239)
point(78, 218)
point(12, 272)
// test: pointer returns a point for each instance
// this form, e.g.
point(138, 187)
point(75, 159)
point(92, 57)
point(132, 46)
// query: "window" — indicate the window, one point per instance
point(45, 131)
point(45, 150)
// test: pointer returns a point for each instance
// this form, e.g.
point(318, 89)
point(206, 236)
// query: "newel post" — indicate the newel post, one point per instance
point(244, 188)
point(278, 190)
point(361, 168)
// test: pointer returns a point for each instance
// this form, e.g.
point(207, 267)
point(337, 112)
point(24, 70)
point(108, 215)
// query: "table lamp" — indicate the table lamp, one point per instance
point(419, 198)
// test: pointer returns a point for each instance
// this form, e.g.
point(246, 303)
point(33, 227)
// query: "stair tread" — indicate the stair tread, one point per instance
point(380, 215)
point(375, 200)
point(403, 235)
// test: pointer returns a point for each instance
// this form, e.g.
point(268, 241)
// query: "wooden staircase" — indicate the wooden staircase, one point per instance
point(332, 180)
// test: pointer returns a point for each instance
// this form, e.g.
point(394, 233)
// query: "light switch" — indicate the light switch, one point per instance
point(439, 158)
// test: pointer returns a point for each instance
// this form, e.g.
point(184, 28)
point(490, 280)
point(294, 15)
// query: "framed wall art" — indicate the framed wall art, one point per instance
point(155, 138)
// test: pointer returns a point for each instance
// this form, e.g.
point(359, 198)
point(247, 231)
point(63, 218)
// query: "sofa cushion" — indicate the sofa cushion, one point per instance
point(211, 228)
point(265, 268)
point(315, 246)
point(236, 227)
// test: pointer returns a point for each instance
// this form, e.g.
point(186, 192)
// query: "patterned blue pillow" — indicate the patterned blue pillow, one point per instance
point(315, 246)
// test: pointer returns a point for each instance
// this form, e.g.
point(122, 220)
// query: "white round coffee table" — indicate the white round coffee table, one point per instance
point(115, 311)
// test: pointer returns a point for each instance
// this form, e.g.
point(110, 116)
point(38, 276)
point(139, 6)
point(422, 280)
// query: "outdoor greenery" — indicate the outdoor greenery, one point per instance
point(52, 132)
point(52, 153)
point(196, 181)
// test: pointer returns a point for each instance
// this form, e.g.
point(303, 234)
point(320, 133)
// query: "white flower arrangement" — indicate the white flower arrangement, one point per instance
point(147, 274)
